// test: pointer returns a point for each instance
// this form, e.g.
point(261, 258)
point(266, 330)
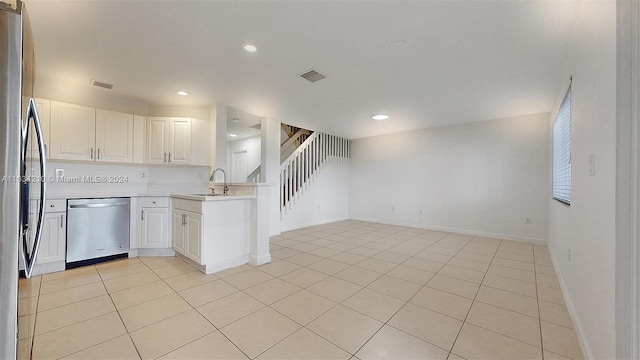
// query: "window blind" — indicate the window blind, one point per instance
point(561, 176)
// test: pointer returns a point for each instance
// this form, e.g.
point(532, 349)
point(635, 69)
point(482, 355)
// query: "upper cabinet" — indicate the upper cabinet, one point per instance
point(84, 133)
point(172, 140)
point(73, 131)
point(114, 136)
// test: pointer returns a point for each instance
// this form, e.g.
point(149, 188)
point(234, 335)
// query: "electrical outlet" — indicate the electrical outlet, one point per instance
point(393, 209)
point(59, 173)
point(569, 255)
point(527, 220)
point(143, 175)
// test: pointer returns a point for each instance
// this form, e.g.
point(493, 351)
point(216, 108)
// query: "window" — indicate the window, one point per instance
point(562, 152)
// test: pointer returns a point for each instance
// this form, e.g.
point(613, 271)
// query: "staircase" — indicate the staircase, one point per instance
point(295, 137)
point(303, 156)
point(304, 164)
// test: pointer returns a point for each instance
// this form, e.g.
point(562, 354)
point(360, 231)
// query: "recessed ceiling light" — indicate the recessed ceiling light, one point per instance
point(183, 93)
point(248, 47)
point(233, 135)
point(236, 120)
point(380, 117)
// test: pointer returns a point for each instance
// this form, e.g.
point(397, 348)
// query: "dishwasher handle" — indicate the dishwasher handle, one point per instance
point(97, 205)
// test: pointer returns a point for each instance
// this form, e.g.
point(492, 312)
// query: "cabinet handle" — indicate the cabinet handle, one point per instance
point(169, 157)
point(98, 153)
point(142, 216)
point(45, 150)
point(165, 157)
point(91, 153)
point(62, 220)
point(184, 219)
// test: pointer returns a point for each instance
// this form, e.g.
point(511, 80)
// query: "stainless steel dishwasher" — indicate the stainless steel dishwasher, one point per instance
point(97, 228)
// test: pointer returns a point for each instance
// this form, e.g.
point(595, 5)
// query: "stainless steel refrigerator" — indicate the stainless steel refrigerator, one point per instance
point(22, 175)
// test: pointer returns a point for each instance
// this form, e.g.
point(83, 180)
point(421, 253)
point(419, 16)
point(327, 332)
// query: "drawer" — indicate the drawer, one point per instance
point(58, 205)
point(155, 201)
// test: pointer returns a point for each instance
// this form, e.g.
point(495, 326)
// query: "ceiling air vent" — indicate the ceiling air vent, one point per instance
point(312, 76)
point(101, 84)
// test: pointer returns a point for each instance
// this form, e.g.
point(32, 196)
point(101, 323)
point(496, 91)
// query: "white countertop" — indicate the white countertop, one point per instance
point(213, 198)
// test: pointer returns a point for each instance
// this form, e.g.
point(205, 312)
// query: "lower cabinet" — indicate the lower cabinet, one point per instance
point(54, 238)
point(212, 233)
point(53, 242)
point(154, 223)
point(187, 234)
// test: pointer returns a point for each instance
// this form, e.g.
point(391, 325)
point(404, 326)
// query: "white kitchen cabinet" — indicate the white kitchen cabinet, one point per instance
point(193, 226)
point(73, 131)
point(43, 107)
point(52, 244)
point(52, 250)
point(138, 139)
point(179, 232)
point(154, 218)
point(187, 234)
point(84, 133)
point(114, 136)
point(168, 140)
point(212, 233)
point(179, 141)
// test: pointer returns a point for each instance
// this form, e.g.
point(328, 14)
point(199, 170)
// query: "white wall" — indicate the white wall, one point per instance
point(89, 96)
point(198, 112)
point(252, 146)
point(140, 179)
point(587, 227)
point(325, 200)
point(481, 178)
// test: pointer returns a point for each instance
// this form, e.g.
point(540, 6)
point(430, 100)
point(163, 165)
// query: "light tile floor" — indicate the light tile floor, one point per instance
point(338, 291)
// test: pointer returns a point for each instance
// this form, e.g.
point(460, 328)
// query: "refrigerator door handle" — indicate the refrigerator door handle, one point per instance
point(29, 257)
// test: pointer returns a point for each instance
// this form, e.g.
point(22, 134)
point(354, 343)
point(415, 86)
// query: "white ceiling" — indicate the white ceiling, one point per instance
point(242, 124)
point(462, 61)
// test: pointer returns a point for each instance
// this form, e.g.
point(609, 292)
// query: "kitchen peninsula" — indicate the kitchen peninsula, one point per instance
point(217, 232)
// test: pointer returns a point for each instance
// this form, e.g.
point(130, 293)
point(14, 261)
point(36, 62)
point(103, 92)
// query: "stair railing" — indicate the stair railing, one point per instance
point(303, 165)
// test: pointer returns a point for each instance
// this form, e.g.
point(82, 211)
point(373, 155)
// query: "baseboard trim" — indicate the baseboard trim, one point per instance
point(575, 321)
point(285, 228)
point(455, 230)
point(151, 252)
point(260, 260)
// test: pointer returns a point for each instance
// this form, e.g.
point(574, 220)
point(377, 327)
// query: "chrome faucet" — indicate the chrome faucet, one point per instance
point(224, 179)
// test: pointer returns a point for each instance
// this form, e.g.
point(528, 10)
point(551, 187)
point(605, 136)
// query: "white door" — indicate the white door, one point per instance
point(178, 227)
point(155, 229)
point(239, 166)
point(194, 237)
point(157, 138)
point(114, 136)
point(73, 132)
point(180, 143)
point(53, 241)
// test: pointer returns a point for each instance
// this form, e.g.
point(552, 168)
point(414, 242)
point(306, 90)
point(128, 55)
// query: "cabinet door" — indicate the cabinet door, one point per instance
point(44, 113)
point(53, 241)
point(114, 136)
point(178, 228)
point(180, 142)
point(157, 139)
point(155, 228)
point(194, 237)
point(73, 131)
point(200, 142)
